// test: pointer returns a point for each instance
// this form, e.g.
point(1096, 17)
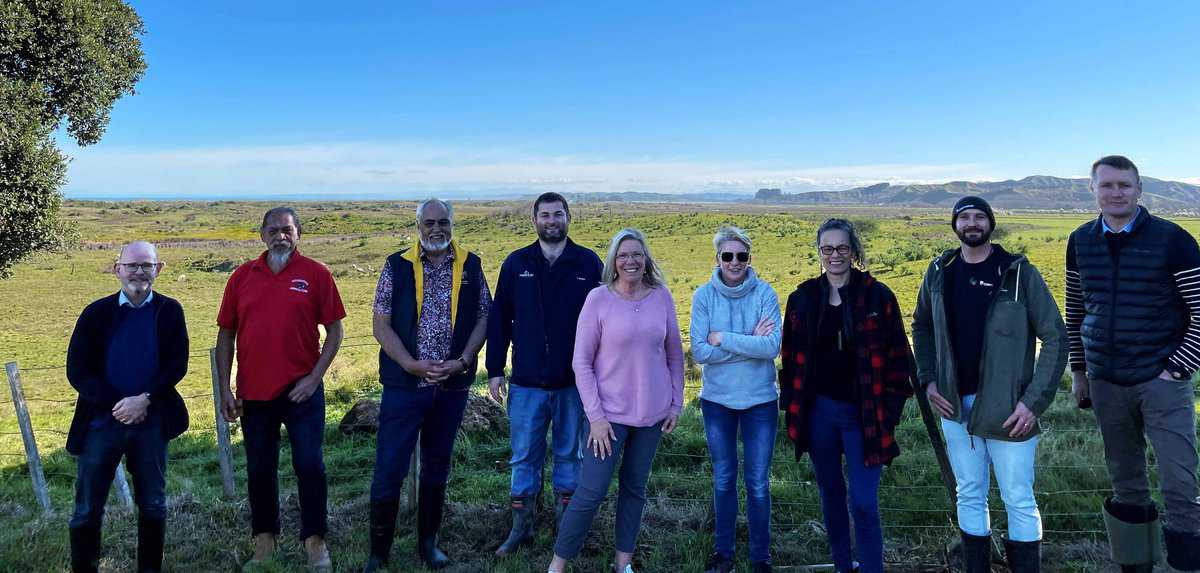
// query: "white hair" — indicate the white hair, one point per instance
point(445, 205)
point(730, 233)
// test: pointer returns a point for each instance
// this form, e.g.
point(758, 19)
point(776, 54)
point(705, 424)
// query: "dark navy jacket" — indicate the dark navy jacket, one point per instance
point(86, 368)
point(536, 309)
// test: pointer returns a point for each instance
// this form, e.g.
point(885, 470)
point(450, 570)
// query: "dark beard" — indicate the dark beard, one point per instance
point(983, 238)
point(547, 237)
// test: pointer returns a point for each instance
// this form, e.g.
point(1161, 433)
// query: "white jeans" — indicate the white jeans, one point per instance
point(970, 457)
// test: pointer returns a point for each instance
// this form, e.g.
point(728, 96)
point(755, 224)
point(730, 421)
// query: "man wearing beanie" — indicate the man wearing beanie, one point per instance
point(1133, 322)
point(978, 317)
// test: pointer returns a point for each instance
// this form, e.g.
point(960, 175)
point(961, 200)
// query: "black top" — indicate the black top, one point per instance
point(834, 366)
point(535, 310)
point(971, 287)
point(87, 357)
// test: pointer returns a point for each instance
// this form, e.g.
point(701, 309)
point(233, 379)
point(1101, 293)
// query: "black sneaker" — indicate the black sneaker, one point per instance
point(718, 563)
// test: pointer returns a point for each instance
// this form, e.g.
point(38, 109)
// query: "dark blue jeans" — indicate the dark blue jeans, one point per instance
point(758, 425)
point(430, 412)
point(836, 431)
point(145, 452)
point(633, 452)
point(305, 423)
point(531, 411)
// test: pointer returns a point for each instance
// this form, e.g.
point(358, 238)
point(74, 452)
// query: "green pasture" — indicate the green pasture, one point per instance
point(201, 242)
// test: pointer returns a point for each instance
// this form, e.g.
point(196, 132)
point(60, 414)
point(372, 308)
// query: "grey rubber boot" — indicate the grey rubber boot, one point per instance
point(1133, 536)
point(522, 526)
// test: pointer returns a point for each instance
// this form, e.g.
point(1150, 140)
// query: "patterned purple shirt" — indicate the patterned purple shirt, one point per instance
point(433, 328)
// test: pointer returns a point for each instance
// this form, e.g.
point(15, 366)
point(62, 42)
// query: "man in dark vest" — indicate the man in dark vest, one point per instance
point(431, 308)
point(127, 353)
point(1133, 321)
point(540, 292)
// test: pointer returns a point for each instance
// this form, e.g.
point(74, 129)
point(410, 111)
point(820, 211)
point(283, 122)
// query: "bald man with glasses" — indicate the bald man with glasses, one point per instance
point(126, 355)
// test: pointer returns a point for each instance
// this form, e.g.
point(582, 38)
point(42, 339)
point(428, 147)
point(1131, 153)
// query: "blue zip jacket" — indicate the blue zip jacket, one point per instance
point(535, 309)
point(741, 372)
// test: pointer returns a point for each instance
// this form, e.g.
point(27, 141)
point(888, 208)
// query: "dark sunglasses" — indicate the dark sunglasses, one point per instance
point(727, 257)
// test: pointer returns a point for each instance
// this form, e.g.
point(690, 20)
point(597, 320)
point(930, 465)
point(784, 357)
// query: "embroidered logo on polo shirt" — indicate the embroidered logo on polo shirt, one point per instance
point(525, 274)
point(299, 285)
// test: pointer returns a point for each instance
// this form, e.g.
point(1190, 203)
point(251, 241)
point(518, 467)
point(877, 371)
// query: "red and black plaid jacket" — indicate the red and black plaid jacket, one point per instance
point(885, 362)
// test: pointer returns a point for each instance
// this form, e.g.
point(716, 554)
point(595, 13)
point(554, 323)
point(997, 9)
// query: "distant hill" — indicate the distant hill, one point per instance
point(1034, 192)
point(636, 196)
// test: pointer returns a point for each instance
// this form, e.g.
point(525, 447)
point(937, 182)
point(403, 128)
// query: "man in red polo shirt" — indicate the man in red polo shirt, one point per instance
point(272, 306)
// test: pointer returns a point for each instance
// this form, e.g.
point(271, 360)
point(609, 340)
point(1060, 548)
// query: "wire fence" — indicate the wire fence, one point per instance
point(679, 478)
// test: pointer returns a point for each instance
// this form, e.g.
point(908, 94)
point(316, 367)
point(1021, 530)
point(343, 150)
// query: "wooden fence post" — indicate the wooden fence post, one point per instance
point(123, 486)
point(31, 451)
point(414, 472)
point(224, 450)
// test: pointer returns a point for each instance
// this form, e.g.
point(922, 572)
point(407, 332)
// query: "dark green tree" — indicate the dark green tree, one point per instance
point(61, 61)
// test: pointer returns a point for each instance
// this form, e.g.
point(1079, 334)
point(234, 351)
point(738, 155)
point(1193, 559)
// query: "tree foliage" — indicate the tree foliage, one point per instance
point(61, 61)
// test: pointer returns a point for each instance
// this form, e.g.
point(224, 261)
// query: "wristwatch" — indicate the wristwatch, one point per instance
point(466, 363)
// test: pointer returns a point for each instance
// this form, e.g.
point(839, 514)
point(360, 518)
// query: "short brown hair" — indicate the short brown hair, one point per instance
point(551, 197)
point(1117, 162)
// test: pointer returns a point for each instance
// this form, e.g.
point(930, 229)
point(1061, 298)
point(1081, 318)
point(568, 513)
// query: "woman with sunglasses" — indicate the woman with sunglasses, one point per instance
point(846, 374)
point(735, 339)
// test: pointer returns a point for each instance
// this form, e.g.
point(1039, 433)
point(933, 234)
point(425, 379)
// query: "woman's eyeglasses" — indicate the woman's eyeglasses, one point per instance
point(727, 257)
point(843, 250)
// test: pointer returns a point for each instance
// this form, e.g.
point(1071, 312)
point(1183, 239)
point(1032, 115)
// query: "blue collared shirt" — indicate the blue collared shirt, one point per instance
point(1128, 227)
point(123, 300)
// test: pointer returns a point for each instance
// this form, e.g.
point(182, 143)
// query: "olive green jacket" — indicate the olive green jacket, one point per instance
point(1021, 312)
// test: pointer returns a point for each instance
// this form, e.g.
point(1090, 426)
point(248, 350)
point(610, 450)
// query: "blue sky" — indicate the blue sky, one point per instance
point(473, 98)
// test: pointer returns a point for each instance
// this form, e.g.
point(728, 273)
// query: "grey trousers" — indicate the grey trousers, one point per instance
point(1164, 411)
point(634, 453)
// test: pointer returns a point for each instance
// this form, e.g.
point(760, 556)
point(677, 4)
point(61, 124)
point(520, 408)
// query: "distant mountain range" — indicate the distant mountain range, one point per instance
point(1034, 192)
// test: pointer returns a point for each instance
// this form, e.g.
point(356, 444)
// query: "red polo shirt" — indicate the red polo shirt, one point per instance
point(276, 318)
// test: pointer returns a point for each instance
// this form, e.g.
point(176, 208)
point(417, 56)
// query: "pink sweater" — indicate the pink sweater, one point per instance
point(629, 358)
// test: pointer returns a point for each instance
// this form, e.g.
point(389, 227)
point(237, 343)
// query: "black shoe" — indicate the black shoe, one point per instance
point(151, 536)
point(977, 553)
point(1183, 549)
point(522, 527)
point(1023, 556)
point(382, 531)
point(431, 497)
point(85, 549)
point(760, 567)
point(718, 563)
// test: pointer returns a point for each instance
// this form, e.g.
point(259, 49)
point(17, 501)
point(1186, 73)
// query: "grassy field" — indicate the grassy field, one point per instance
point(201, 242)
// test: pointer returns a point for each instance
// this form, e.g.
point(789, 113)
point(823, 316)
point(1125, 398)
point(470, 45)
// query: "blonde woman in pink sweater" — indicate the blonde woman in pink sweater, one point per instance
point(629, 370)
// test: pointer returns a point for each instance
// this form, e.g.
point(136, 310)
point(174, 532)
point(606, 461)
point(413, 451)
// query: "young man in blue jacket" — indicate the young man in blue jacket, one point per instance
point(127, 353)
point(539, 294)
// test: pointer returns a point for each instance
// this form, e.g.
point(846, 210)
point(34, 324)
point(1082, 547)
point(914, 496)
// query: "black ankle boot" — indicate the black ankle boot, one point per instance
point(1023, 556)
point(85, 549)
point(151, 536)
point(382, 532)
point(977, 553)
point(522, 526)
point(431, 498)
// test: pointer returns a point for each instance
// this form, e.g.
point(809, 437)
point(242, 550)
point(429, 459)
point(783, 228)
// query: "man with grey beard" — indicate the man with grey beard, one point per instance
point(271, 309)
point(431, 309)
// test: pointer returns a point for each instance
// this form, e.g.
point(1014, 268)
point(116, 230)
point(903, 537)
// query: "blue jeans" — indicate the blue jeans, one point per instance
point(531, 411)
point(632, 456)
point(758, 424)
point(305, 422)
point(429, 412)
point(970, 457)
point(145, 450)
point(835, 430)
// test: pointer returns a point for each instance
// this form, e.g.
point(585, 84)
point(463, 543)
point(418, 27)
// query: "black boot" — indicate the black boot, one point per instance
point(977, 553)
point(1023, 556)
point(382, 532)
point(522, 527)
point(1183, 549)
point(85, 549)
point(1133, 535)
point(430, 499)
point(151, 535)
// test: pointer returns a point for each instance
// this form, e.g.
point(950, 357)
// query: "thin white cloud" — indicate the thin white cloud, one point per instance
point(411, 169)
